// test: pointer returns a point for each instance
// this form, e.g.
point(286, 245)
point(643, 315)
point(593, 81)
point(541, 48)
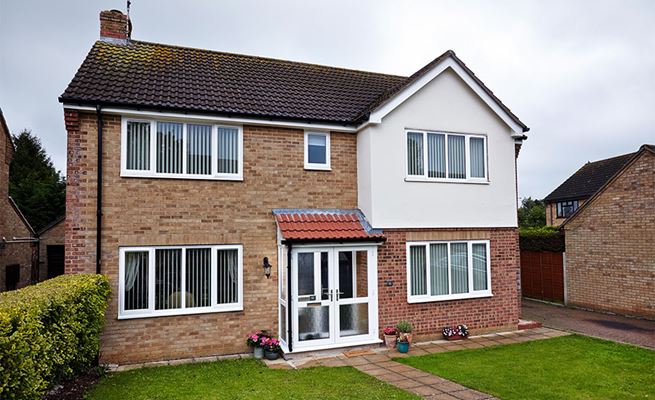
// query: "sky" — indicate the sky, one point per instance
point(580, 74)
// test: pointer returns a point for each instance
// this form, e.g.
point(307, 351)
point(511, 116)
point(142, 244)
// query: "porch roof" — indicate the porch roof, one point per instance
point(312, 225)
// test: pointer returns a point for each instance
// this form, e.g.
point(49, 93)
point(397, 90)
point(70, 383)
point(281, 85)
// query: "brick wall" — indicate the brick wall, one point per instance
point(497, 312)
point(610, 250)
point(53, 236)
point(139, 211)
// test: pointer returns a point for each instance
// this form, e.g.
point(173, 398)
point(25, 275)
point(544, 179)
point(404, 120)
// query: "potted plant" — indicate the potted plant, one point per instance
point(403, 344)
point(255, 340)
point(458, 332)
point(390, 336)
point(271, 348)
point(405, 330)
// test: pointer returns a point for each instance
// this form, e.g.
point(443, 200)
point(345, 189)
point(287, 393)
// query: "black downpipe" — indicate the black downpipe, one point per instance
point(99, 192)
point(289, 314)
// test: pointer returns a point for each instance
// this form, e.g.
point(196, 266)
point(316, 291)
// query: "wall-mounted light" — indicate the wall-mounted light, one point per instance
point(267, 268)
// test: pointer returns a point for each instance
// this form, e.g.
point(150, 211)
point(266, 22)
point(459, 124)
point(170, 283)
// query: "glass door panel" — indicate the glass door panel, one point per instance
point(352, 293)
point(315, 308)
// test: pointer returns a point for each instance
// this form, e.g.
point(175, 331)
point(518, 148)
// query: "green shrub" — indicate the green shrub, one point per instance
point(545, 238)
point(404, 326)
point(50, 331)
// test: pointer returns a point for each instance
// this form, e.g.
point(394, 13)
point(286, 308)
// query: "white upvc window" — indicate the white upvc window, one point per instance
point(448, 270)
point(173, 149)
point(446, 157)
point(178, 280)
point(317, 150)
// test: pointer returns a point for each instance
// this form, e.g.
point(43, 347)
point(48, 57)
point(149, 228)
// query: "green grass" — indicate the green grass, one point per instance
point(569, 367)
point(242, 379)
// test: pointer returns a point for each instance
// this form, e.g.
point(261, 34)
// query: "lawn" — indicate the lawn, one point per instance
point(243, 379)
point(568, 367)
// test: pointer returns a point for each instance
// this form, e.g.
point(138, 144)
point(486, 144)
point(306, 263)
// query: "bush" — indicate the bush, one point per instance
point(545, 238)
point(404, 326)
point(50, 331)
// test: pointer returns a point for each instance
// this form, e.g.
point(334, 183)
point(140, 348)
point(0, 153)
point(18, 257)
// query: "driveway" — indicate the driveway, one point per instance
point(612, 327)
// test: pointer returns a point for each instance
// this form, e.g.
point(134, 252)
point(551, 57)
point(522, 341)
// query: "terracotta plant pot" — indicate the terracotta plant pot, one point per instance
point(455, 337)
point(258, 352)
point(390, 341)
point(271, 355)
point(403, 347)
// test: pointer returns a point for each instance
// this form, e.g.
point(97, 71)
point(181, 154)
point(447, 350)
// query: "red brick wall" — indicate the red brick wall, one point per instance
point(497, 312)
point(610, 245)
point(138, 211)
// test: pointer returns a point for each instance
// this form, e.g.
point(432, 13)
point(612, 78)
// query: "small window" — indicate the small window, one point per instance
point(317, 150)
point(566, 208)
point(448, 270)
point(158, 281)
point(435, 156)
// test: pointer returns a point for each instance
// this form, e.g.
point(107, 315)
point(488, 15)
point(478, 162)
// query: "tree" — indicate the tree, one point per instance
point(34, 183)
point(532, 213)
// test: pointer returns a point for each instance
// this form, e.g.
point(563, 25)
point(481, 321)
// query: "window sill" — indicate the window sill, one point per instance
point(183, 177)
point(317, 168)
point(445, 180)
point(179, 312)
point(434, 299)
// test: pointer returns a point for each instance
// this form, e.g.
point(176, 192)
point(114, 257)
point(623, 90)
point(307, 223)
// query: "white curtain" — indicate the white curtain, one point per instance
point(438, 269)
point(456, 157)
point(436, 155)
point(136, 280)
point(199, 149)
point(228, 150)
point(227, 276)
point(459, 267)
point(198, 277)
point(479, 252)
point(169, 147)
point(477, 157)
point(418, 270)
point(414, 153)
point(138, 146)
point(168, 284)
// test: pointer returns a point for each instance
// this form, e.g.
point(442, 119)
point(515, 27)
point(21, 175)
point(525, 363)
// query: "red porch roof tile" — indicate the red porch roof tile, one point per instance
point(315, 226)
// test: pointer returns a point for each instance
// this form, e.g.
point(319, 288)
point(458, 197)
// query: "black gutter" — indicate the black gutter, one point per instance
point(289, 315)
point(99, 192)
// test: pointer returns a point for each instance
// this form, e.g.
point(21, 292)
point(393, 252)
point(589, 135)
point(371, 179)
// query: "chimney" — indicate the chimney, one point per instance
point(114, 25)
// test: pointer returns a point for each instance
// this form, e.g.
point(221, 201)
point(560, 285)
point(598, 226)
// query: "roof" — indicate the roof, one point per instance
point(306, 225)
point(20, 215)
point(51, 225)
point(131, 73)
point(5, 128)
point(633, 157)
point(589, 179)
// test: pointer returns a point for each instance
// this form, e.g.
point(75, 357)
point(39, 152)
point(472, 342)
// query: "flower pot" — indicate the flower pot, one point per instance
point(455, 337)
point(406, 335)
point(258, 353)
point(403, 347)
point(271, 355)
point(390, 341)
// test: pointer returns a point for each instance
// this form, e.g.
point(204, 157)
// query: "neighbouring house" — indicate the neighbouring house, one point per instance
point(224, 193)
point(51, 249)
point(610, 251)
point(18, 242)
point(562, 202)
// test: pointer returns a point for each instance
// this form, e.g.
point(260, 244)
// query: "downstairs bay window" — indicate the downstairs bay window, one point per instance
point(176, 280)
point(448, 270)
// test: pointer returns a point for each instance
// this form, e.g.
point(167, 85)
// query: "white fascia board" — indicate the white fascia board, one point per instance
point(217, 119)
point(377, 115)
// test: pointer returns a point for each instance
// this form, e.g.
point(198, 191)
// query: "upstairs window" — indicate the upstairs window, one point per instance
point(164, 149)
point(446, 157)
point(566, 208)
point(317, 150)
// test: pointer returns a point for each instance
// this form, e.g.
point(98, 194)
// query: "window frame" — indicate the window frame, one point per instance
point(151, 311)
point(152, 172)
point(472, 294)
point(467, 152)
point(316, 166)
point(559, 206)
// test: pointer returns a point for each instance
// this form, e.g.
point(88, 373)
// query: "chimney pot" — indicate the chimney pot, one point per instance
point(115, 25)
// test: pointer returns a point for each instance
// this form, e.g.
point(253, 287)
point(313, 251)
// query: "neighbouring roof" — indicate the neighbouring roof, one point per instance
point(139, 74)
point(305, 225)
point(20, 215)
point(51, 225)
point(589, 179)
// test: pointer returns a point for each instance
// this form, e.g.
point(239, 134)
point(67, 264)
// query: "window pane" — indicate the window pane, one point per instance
point(305, 274)
point(228, 276)
point(477, 157)
point(317, 149)
point(198, 277)
point(436, 155)
point(438, 269)
point(228, 150)
point(198, 149)
point(459, 267)
point(138, 146)
point(456, 157)
point(169, 147)
point(353, 319)
point(479, 266)
point(414, 153)
point(168, 263)
point(418, 270)
point(136, 280)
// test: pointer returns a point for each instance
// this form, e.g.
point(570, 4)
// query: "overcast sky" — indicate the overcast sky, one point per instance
point(580, 74)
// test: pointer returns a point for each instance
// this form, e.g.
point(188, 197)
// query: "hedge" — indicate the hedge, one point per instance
point(545, 238)
point(50, 331)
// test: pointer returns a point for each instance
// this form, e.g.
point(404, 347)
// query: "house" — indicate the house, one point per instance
point(18, 244)
point(51, 249)
point(562, 202)
point(610, 256)
point(224, 193)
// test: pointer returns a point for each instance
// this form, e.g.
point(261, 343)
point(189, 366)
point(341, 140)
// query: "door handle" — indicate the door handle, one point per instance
point(338, 294)
point(328, 292)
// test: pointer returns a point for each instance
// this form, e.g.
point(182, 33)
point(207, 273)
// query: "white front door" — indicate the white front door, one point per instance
point(334, 296)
